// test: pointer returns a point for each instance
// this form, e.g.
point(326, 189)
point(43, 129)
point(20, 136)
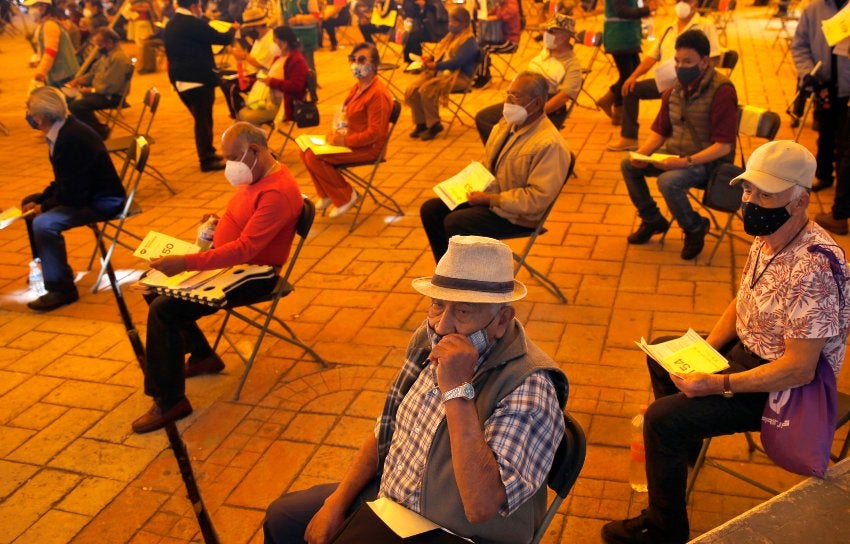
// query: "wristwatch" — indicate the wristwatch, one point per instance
point(727, 387)
point(464, 390)
point(690, 160)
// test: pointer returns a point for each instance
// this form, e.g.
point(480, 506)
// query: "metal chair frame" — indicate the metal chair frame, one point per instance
point(367, 182)
point(283, 288)
point(843, 417)
point(113, 116)
point(131, 174)
point(120, 144)
point(566, 467)
point(522, 258)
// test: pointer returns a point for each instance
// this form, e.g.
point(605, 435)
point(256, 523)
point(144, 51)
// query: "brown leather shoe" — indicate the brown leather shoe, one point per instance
point(156, 419)
point(211, 364)
point(833, 225)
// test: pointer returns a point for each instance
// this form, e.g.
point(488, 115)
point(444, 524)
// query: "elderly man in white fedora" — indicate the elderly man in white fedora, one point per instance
point(470, 425)
point(790, 311)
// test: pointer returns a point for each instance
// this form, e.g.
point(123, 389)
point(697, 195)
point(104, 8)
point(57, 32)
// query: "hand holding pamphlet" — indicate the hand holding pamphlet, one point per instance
point(453, 191)
point(654, 158)
point(156, 245)
point(685, 355)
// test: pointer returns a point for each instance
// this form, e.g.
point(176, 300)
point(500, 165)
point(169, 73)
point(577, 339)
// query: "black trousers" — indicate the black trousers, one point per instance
point(674, 426)
point(83, 108)
point(441, 224)
point(200, 101)
point(626, 64)
point(834, 150)
point(173, 332)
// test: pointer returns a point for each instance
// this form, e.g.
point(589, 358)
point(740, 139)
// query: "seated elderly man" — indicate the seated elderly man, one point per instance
point(100, 88)
point(257, 228)
point(697, 124)
point(530, 162)
point(557, 62)
point(85, 188)
point(791, 308)
point(471, 424)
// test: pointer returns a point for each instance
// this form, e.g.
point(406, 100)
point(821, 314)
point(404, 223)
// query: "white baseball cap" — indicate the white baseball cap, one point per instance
point(777, 166)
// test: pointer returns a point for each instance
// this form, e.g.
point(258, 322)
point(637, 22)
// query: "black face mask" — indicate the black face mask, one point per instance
point(103, 51)
point(761, 221)
point(688, 75)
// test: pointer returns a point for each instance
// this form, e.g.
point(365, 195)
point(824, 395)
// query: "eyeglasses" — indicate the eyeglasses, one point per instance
point(462, 312)
point(359, 59)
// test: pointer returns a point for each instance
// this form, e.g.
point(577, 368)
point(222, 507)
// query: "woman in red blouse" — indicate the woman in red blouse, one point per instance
point(362, 125)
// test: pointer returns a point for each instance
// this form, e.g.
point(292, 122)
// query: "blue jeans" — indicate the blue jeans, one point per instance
point(674, 186)
point(47, 243)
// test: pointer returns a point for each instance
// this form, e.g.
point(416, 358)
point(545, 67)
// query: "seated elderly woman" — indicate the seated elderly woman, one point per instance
point(362, 125)
point(286, 79)
point(557, 63)
point(451, 68)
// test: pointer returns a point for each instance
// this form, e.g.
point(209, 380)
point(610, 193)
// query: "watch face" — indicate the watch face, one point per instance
point(468, 391)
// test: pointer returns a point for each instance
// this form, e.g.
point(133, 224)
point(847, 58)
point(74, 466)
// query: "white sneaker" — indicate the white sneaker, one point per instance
point(336, 211)
point(322, 204)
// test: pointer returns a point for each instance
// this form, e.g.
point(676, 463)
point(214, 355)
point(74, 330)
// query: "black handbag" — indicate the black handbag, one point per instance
point(305, 112)
point(719, 195)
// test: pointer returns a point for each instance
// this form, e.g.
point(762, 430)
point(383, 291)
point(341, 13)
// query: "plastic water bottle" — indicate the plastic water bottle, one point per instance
point(340, 123)
point(205, 233)
point(637, 455)
point(37, 278)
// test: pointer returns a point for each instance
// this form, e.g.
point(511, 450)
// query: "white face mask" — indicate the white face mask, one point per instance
point(274, 49)
point(514, 114)
point(683, 10)
point(549, 40)
point(360, 71)
point(238, 173)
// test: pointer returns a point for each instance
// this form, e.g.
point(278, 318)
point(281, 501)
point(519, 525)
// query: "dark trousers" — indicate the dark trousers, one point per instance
point(47, 243)
point(489, 117)
point(229, 85)
point(368, 29)
point(343, 18)
point(441, 224)
point(483, 71)
point(200, 102)
point(834, 149)
point(645, 89)
point(173, 332)
point(83, 108)
point(674, 427)
point(626, 64)
point(288, 516)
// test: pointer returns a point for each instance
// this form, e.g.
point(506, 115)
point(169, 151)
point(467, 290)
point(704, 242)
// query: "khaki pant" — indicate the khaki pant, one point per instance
point(424, 95)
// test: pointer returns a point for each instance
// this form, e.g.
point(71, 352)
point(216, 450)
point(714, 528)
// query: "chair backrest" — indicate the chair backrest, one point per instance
point(134, 167)
point(728, 61)
point(113, 113)
point(766, 125)
point(394, 115)
point(149, 106)
point(302, 229)
point(566, 466)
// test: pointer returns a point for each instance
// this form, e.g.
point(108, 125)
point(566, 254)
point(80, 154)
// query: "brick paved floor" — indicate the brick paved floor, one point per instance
point(71, 470)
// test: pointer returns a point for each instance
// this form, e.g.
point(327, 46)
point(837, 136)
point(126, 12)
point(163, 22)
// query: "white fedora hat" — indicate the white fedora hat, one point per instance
point(474, 269)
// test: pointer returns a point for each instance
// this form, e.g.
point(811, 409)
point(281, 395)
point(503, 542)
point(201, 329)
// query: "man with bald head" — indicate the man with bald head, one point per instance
point(257, 228)
point(530, 161)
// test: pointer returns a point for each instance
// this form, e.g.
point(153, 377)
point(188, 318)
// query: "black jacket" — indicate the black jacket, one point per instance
point(188, 41)
point(82, 169)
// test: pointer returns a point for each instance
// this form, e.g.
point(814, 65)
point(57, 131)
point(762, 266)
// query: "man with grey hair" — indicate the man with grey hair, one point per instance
point(257, 228)
point(85, 188)
point(529, 160)
point(469, 427)
point(789, 316)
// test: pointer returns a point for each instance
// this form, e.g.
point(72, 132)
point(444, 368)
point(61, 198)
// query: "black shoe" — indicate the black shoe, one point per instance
point(212, 166)
point(821, 184)
point(211, 364)
point(419, 131)
point(639, 530)
point(695, 240)
point(647, 230)
point(432, 132)
point(481, 82)
point(53, 300)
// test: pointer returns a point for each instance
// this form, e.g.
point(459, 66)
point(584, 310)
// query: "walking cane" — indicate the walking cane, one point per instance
point(174, 439)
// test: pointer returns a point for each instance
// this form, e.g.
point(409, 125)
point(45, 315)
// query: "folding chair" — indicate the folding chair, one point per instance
point(506, 58)
point(566, 466)
point(367, 182)
point(311, 85)
point(521, 260)
point(728, 61)
point(119, 145)
point(722, 17)
point(261, 318)
point(112, 228)
point(113, 116)
point(384, 41)
point(455, 105)
point(589, 38)
point(843, 417)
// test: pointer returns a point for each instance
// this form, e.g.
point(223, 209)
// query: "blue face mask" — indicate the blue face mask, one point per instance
point(32, 122)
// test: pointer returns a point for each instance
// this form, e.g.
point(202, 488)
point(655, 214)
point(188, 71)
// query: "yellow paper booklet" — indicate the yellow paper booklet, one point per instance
point(156, 245)
point(453, 191)
point(687, 354)
point(655, 157)
point(319, 145)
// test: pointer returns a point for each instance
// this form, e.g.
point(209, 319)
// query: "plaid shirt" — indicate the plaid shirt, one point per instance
point(523, 433)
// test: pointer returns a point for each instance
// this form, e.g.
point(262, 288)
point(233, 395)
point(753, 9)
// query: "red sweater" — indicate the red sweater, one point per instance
point(368, 117)
point(258, 226)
